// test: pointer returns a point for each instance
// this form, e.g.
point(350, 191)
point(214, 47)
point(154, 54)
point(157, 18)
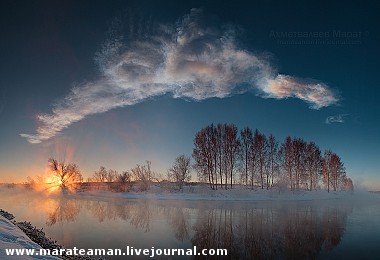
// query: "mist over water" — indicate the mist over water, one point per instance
point(260, 230)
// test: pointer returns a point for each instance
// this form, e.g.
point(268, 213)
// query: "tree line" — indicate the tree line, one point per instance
point(68, 176)
point(225, 156)
point(179, 173)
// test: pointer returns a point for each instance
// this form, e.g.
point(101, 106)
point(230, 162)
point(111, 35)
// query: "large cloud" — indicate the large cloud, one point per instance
point(189, 60)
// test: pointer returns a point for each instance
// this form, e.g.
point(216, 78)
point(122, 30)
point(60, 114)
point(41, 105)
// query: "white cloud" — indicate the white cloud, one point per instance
point(189, 61)
point(318, 95)
point(335, 119)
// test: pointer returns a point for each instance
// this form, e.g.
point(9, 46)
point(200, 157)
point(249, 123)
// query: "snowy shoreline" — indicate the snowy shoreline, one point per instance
point(13, 237)
point(23, 235)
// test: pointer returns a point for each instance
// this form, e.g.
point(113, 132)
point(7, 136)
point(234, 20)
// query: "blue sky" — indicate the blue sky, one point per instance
point(116, 83)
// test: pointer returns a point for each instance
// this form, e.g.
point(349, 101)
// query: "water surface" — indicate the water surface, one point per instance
point(326, 229)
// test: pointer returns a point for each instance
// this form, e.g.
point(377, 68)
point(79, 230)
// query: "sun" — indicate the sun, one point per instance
point(59, 182)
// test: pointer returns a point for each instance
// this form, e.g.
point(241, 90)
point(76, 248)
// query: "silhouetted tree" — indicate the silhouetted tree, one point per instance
point(143, 174)
point(246, 138)
point(299, 146)
point(287, 159)
point(100, 175)
point(272, 159)
point(337, 171)
point(180, 171)
point(124, 177)
point(313, 163)
point(231, 149)
point(326, 171)
point(67, 173)
point(204, 156)
point(112, 175)
point(259, 141)
point(347, 184)
point(220, 164)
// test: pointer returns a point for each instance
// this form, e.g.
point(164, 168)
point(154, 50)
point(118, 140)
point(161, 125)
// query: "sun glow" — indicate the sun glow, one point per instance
point(47, 184)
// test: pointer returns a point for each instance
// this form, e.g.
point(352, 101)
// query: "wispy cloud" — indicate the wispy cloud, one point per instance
point(188, 60)
point(335, 119)
point(317, 94)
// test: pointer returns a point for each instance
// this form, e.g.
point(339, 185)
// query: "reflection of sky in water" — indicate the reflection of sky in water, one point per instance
point(327, 229)
point(362, 236)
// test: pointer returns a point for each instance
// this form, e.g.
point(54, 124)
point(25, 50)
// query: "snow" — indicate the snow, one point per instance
point(12, 237)
point(204, 193)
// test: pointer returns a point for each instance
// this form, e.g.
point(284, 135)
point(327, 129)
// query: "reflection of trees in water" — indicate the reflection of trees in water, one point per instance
point(290, 231)
point(333, 231)
point(257, 233)
point(139, 214)
point(271, 233)
point(142, 215)
point(101, 210)
point(179, 219)
point(63, 210)
point(215, 229)
point(303, 233)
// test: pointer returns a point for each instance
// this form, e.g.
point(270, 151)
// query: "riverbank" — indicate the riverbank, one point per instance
point(23, 235)
point(199, 192)
point(204, 193)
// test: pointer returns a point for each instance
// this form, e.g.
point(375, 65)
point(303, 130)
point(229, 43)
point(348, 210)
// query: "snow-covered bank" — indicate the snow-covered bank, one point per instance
point(199, 192)
point(23, 235)
point(11, 237)
point(204, 193)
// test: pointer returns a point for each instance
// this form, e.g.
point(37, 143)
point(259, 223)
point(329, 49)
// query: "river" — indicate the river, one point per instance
point(324, 229)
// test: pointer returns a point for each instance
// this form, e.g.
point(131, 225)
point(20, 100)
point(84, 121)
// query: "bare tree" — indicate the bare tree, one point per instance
point(124, 177)
point(101, 175)
point(112, 175)
point(180, 171)
point(313, 163)
point(347, 184)
point(124, 181)
point(253, 162)
point(231, 149)
point(333, 170)
point(220, 161)
point(272, 159)
point(203, 154)
point(246, 138)
point(287, 159)
point(326, 172)
point(67, 173)
point(338, 172)
point(299, 146)
point(143, 175)
point(259, 141)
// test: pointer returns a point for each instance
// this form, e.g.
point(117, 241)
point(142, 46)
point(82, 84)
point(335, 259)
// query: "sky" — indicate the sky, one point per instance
point(115, 83)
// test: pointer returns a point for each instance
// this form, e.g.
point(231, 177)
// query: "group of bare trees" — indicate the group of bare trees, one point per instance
point(102, 175)
point(216, 153)
point(140, 174)
point(224, 156)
